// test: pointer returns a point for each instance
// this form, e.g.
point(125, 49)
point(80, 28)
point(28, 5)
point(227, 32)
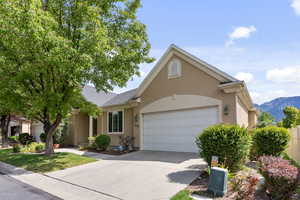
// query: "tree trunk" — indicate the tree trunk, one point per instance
point(49, 131)
point(4, 123)
point(49, 142)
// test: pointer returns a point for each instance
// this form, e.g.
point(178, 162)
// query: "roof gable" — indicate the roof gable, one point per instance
point(200, 64)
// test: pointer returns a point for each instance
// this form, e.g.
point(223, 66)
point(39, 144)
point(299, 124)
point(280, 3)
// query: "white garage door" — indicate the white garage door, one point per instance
point(176, 130)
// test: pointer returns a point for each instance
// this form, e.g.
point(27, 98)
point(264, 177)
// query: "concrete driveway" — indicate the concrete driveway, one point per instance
point(146, 175)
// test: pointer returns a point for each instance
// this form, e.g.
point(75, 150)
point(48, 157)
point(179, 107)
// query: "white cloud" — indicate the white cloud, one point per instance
point(266, 96)
point(243, 76)
point(296, 6)
point(284, 75)
point(239, 33)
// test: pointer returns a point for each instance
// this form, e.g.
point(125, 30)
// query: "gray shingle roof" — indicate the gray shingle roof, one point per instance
point(98, 98)
point(121, 98)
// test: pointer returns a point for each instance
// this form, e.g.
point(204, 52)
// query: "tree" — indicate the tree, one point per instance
point(265, 119)
point(50, 49)
point(5, 116)
point(291, 118)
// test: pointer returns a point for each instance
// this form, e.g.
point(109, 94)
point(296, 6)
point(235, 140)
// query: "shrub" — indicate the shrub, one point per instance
point(58, 137)
point(25, 138)
point(39, 147)
point(127, 142)
point(43, 137)
point(281, 178)
point(17, 148)
point(244, 184)
point(230, 143)
point(102, 141)
point(34, 147)
point(292, 161)
point(270, 140)
point(13, 139)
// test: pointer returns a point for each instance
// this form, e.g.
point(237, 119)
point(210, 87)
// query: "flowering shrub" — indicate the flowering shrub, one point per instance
point(244, 184)
point(281, 178)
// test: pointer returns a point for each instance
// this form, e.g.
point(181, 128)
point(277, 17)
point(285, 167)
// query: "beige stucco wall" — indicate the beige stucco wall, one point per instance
point(192, 82)
point(128, 123)
point(252, 118)
point(78, 129)
point(242, 113)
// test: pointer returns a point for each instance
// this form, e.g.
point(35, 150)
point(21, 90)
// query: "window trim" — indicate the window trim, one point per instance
point(170, 76)
point(123, 120)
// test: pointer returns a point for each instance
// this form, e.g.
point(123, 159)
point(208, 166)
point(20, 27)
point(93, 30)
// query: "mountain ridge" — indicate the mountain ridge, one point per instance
point(276, 106)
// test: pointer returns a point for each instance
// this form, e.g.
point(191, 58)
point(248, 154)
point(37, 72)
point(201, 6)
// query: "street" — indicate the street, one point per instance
point(11, 189)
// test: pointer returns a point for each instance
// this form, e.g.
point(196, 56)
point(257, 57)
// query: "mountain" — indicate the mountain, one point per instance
point(276, 106)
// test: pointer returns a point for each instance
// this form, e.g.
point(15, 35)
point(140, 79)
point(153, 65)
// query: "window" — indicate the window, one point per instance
point(174, 68)
point(115, 122)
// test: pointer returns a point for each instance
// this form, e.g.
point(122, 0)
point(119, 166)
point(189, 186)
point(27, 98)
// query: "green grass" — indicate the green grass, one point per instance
point(42, 163)
point(182, 195)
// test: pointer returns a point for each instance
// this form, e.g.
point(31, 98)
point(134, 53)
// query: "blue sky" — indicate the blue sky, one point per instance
point(254, 40)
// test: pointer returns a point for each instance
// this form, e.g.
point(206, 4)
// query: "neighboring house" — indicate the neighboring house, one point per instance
point(18, 125)
point(180, 97)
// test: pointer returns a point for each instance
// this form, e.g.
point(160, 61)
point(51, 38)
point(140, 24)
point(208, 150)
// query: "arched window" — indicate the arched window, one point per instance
point(174, 68)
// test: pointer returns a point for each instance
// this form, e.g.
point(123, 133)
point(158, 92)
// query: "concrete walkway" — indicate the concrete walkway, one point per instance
point(140, 175)
point(98, 156)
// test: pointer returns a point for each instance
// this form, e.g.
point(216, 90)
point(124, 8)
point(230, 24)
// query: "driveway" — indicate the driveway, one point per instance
point(12, 189)
point(146, 175)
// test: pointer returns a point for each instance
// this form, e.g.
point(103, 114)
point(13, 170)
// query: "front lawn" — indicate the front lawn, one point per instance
point(41, 163)
point(182, 195)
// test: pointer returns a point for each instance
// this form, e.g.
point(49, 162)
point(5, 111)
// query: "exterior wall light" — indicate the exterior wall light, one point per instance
point(226, 110)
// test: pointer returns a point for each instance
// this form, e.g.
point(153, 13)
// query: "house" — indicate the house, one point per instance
point(180, 97)
point(17, 125)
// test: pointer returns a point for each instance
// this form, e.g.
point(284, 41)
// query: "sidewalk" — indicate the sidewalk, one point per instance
point(59, 188)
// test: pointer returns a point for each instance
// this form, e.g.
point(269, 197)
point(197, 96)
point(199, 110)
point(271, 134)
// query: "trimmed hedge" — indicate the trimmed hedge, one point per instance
point(102, 142)
point(281, 178)
point(25, 138)
point(231, 143)
point(270, 140)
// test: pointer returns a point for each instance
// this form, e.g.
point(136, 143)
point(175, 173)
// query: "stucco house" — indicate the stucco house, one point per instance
point(181, 96)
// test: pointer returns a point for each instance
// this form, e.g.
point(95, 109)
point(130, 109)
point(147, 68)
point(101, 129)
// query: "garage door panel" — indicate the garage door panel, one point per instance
point(177, 130)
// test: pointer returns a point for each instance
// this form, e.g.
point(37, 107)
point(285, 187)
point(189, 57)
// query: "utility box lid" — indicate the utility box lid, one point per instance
point(218, 181)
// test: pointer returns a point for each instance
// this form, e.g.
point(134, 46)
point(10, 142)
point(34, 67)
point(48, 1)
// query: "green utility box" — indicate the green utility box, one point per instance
point(218, 181)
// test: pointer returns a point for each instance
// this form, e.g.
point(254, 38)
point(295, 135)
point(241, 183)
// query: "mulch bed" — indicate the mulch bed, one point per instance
point(200, 185)
point(109, 152)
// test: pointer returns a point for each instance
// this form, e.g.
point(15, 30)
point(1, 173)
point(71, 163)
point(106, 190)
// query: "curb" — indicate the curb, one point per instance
point(12, 170)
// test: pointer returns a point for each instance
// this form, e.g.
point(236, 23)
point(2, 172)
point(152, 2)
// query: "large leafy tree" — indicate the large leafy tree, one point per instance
point(50, 49)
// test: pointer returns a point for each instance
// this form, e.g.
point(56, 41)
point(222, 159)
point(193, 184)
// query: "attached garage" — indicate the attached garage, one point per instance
point(176, 130)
